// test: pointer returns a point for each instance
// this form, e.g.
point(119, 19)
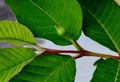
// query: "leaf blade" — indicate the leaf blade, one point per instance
point(107, 71)
point(12, 60)
point(13, 32)
point(50, 18)
point(101, 23)
point(48, 68)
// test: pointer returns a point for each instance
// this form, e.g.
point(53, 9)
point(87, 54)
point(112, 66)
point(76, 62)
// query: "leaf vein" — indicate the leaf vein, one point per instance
point(117, 73)
point(90, 12)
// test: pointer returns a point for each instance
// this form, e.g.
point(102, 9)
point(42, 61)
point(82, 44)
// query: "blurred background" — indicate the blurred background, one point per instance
point(84, 65)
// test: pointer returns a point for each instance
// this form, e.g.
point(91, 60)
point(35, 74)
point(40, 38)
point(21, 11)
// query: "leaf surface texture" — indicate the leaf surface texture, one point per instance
point(102, 22)
point(107, 70)
point(15, 33)
point(48, 68)
point(55, 20)
point(12, 60)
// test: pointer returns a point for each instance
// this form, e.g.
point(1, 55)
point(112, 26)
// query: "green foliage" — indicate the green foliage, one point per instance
point(15, 32)
point(102, 22)
point(57, 20)
point(12, 60)
point(48, 68)
point(108, 70)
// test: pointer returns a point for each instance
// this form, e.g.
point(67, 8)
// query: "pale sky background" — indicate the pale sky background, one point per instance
point(84, 66)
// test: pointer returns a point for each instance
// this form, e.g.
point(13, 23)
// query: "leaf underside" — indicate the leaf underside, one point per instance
point(107, 70)
point(102, 22)
point(55, 20)
point(48, 68)
point(12, 60)
point(15, 33)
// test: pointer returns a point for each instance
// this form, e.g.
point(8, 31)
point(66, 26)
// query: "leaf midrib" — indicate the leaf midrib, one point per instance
point(20, 63)
point(45, 12)
point(89, 11)
point(58, 27)
point(59, 67)
point(117, 72)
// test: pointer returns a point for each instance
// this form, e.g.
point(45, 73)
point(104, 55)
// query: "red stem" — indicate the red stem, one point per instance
point(88, 53)
point(52, 51)
point(81, 53)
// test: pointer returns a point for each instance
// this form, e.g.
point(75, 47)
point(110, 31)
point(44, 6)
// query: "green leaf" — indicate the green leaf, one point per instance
point(107, 70)
point(55, 20)
point(48, 68)
point(102, 22)
point(12, 60)
point(15, 33)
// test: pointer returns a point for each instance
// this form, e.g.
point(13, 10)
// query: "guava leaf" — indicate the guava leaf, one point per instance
point(107, 70)
point(12, 60)
point(55, 20)
point(48, 68)
point(102, 22)
point(15, 33)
